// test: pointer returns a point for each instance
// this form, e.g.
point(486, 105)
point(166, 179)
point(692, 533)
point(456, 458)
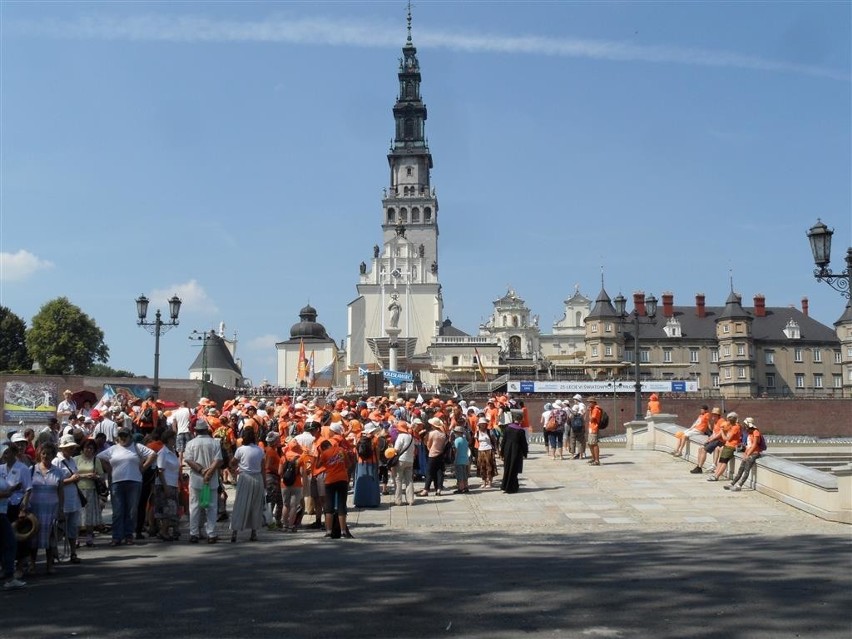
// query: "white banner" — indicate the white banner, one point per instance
point(602, 388)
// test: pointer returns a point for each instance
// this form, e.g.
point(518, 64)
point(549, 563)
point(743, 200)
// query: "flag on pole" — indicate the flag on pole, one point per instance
point(479, 363)
point(302, 372)
point(311, 371)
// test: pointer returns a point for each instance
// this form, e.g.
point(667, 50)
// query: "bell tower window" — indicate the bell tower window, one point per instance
point(408, 171)
point(403, 216)
point(391, 216)
point(415, 214)
point(409, 128)
point(427, 214)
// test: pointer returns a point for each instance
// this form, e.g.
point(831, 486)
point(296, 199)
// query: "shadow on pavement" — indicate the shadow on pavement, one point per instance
point(494, 584)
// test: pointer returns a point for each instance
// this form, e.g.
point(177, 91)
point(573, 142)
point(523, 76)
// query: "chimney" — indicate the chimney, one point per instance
point(759, 305)
point(639, 303)
point(699, 305)
point(668, 305)
point(805, 306)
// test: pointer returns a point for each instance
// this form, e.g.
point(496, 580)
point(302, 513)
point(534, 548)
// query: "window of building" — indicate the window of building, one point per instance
point(770, 380)
point(391, 216)
point(608, 350)
point(645, 355)
point(514, 320)
point(740, 350)
point(726, 328)
point(800, 380)
point(838, 357)
point(403, 215)
point(714, 380)
point(739, 327)
point(415, 214)
point(409, 128)
point(817, 380)
point(629, 355)
point(728, 373)
point(667, 356)
point(608, 327)
point(741, 372)
point(455, 361)
point(817, 356)
point(693, 355)
point(769, 358)
point(798, 357)
point(408, 171)
point(849, 352)
point(594, 351)
point(714, 355)
point(594, 327)
point(837, 380)
point(726, 351)
point(427, 214)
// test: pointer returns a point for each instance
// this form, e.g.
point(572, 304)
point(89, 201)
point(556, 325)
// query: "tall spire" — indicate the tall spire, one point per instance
point(408, 20)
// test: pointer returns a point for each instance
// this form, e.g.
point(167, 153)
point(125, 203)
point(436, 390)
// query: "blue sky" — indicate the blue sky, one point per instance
point(235, 154)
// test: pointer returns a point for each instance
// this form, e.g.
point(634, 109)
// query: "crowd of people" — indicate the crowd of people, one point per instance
point(287, 458)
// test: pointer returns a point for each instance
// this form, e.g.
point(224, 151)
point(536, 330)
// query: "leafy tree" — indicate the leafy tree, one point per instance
point(13, 345)
point(63, 339)
point(102, 370)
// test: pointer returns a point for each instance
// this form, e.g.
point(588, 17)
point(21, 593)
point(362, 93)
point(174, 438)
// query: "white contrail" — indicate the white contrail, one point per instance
point(321, 31)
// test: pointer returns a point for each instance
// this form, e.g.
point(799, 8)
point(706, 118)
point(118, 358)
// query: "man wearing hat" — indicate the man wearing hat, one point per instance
point(754, 447)
point(701, 426)
point(595, 413)
point(731, 437)
point(72, 505)
point(9, 484)
point(67, 406)
point(203, 455)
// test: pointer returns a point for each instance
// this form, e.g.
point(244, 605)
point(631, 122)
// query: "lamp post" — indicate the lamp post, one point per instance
point(636, 319)
point(202, 337)
point(157, 328)
point(819, 236)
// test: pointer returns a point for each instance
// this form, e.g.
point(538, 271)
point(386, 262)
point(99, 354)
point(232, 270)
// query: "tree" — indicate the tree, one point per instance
point(63, 339)
point(102, 370)
point(13, 344)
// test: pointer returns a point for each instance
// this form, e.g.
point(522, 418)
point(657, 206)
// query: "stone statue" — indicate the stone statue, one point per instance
point(434, 268)
point(376, 250)
point(421, 250)
point(394, 309)
point(363, 268)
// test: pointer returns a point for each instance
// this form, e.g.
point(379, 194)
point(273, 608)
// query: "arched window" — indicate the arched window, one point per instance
point(514, 346)
point(579, 320)
point(403, 216)
point(455, 360)
point(415, 214)
point(514, 320)
point(409, 128)
point(427, 214)
point(405, 190)
point(505, 323)
point(391, 216)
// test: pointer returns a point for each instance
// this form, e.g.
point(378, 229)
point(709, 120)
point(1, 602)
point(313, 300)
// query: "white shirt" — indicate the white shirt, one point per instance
point(18, 473)
point(126, 462)
point(180, 417)
point(109, 428)
point(404, 440)
point(71, 496)
point(249, 459)
point(66, 407)
point(484, 439)
point(168, 462)
point(579, 408)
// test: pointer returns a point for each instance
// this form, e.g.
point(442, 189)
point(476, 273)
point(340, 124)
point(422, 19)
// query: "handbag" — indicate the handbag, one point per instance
point(204, 496)
point(101, 487)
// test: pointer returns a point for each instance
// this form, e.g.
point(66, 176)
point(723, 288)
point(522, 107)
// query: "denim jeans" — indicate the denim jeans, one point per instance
point(8, 547)
point(124, 499)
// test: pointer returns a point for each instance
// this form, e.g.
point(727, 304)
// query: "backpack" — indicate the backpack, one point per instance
point(761, 444)
point(365, 447)
point(290, 472)
point(577, 423)
point(560, 417)
point(604, 422)
point(449, 451)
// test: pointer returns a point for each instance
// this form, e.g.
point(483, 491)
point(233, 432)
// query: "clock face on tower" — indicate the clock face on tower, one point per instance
point(396, 273)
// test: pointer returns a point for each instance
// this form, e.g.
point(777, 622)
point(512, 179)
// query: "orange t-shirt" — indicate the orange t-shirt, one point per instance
point(272, 460)
point(594, 418)
point(753, 443)
point(299, 458)
point(734, 435)
point(333, 461)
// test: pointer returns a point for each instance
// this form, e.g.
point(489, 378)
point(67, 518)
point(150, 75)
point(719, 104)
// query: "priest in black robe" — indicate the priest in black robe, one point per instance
point(513, 450)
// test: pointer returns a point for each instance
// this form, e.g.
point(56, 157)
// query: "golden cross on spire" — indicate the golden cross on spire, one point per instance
point(408, 20)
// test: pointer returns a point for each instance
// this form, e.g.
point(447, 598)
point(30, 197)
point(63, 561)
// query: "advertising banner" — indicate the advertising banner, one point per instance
point(602, 388)
point(130, 392)
point(396, 377)
point(29, 401)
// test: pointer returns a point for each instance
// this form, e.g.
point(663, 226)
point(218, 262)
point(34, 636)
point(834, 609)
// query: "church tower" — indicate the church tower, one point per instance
point(399, 294)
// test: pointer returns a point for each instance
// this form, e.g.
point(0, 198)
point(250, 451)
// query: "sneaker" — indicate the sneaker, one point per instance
point(697, 470)
point(14, 584)
point(736, 488)
point(712, 478)
point(727, 487)
point(193, 539)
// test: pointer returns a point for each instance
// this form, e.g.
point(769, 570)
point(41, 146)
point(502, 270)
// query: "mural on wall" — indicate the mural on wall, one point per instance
point(132, 393)
point(29, 401)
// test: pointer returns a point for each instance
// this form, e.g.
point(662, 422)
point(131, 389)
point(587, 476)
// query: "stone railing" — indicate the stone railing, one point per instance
point(827, 495)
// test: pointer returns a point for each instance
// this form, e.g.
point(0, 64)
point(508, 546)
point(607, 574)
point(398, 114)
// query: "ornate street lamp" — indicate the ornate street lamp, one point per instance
point(819, 236)
point(157, 328)
point(637, 320)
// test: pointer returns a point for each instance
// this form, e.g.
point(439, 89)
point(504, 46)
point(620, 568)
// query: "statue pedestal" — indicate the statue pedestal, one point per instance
point(393, 347)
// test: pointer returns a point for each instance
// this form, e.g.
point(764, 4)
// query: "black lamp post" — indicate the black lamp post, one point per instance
point(636, 319)
point(819, 236)
point(157, 328)
point(202, 337)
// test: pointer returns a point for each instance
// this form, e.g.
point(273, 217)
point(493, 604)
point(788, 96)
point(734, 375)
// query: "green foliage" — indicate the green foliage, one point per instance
point(102, 370)
point(63, 339)
point(13, 345)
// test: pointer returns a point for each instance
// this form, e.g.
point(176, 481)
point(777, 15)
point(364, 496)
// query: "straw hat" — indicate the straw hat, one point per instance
point(25, 527)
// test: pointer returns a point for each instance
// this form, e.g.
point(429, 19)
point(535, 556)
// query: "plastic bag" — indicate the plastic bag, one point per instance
point(204, 497)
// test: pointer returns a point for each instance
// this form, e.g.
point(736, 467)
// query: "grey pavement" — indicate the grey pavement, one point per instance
point(634, 548)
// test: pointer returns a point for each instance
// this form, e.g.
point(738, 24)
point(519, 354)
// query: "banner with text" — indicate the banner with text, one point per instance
point(602, 388)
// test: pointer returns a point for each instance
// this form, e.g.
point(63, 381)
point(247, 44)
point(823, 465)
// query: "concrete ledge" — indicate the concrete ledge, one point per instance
point(826, 495)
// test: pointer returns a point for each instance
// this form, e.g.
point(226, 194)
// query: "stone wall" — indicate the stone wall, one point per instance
point(817, 417)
